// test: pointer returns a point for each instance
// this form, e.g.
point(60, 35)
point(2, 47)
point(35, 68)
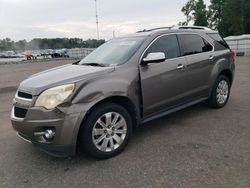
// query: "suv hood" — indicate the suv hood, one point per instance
point(37, 83)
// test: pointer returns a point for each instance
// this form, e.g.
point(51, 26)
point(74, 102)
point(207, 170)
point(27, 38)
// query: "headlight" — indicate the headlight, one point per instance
point(51, 98)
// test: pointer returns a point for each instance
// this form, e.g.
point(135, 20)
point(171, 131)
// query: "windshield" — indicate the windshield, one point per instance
point(115, 51)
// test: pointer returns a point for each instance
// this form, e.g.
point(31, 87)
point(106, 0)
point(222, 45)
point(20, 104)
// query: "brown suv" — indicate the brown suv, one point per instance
point(95, 103)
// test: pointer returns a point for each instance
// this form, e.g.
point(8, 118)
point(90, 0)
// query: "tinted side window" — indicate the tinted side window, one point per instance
point(192, 44)
point(217, 38)
point(167, 44)
point(209, 47)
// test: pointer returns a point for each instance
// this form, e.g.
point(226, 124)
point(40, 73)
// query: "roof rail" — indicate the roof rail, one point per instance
point(153, 29)
point(192, 27)
point(177, 27)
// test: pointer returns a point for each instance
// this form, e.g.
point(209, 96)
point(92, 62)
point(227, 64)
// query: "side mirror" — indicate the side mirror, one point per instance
point(155, 57)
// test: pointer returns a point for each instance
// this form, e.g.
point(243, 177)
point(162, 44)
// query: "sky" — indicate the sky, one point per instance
point(28, 19)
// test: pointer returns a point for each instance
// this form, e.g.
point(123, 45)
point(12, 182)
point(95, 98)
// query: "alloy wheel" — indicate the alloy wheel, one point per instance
point(222, 92)
point(109, 132)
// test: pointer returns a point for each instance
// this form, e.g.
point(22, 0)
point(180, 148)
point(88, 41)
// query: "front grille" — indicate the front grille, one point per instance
point(24, 95)
point(20, 112)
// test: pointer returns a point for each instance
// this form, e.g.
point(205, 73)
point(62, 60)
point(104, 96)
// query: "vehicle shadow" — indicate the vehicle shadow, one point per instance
point(153, 127)
point(141, 133)
point(175, 119)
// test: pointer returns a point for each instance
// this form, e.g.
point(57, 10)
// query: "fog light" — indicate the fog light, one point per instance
point(49, 134)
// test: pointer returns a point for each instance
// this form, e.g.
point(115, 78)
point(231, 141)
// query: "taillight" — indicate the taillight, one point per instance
point(232, 54)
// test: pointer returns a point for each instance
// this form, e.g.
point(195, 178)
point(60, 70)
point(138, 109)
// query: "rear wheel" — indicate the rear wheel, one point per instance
point(106, 131)
point(220, 92)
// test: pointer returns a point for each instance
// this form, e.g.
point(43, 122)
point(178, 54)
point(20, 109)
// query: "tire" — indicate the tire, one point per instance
point(220, 92)
point(100, 136)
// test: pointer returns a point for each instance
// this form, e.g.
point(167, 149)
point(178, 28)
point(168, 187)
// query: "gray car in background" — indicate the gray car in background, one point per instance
point(96, 103)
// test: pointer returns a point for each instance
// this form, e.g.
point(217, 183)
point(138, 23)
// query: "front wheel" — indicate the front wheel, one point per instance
point(220, 92)
point(106, 131)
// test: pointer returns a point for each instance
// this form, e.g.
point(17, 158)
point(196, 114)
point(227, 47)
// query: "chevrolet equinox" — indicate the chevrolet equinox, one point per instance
point(95, 103)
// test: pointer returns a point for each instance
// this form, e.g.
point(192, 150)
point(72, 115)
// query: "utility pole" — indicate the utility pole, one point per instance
point(97, 20)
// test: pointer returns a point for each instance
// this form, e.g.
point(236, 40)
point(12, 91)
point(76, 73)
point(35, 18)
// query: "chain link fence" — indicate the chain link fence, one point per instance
point(240, 44)
point(79, 53)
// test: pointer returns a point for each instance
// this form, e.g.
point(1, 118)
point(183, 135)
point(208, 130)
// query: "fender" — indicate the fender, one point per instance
point(222, 62)
point(107, 86)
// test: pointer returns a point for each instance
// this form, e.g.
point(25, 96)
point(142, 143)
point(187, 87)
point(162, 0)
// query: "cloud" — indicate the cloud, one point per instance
point(66, 27)
point(27, 19)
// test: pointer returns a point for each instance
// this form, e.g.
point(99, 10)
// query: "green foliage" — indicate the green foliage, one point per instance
point(200, 13)
point(229, 17)
point(246, 15)
point(6, 44)
point(187, 11)
point(215, 13)
point(57, 43)
point(232, 18)
point(235, 18)
point(195, 10)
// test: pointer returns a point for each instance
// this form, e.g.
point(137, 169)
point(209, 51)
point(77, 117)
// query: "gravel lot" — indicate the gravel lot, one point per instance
point(197, 147)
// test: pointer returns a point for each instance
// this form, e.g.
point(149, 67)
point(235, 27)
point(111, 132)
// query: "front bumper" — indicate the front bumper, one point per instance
point(65, 125)
point(53, 150)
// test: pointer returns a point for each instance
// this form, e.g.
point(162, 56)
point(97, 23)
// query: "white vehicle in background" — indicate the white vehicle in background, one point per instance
point(7, 54)
point(11, 54)
point(18, 55)
point(1, 54)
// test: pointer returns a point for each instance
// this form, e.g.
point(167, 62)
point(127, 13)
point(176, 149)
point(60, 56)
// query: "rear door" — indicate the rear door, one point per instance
point(199, 54)
point(163, 84)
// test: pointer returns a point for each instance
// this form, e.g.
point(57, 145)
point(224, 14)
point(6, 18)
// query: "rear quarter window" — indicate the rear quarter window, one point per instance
point(219, 42)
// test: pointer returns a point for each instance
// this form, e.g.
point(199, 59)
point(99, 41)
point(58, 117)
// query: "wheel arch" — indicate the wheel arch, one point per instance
point(120, 100)
point(228, 74)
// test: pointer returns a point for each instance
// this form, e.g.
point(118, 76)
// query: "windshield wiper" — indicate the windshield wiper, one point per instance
point(95, 64)
point(76, 63)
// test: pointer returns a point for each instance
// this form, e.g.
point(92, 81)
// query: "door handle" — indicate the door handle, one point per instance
point(211, 57)
point(180, 67)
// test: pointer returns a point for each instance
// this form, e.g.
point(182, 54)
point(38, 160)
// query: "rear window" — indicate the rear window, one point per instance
point(217, 38)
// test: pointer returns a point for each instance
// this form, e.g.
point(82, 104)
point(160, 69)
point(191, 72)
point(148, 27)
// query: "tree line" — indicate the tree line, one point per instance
point(229, 17)
point(36, 44)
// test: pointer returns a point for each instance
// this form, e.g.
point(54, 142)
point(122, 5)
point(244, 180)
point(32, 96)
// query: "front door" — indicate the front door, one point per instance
point(163, 84)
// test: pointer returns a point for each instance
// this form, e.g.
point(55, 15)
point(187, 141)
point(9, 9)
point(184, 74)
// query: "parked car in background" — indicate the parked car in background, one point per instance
point(95, 103)
point(8, 54)
point(11, 54)
point(59, 53)
point(32, 55)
